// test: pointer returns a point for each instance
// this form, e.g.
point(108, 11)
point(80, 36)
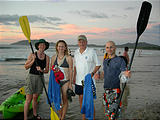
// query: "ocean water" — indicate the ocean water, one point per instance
point(142, 90)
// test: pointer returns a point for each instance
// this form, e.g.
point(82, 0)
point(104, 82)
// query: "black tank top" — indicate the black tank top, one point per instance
point(64, 64)
point(41, 63)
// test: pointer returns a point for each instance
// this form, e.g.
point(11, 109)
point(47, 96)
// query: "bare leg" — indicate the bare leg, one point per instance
point(60, 112)
point(26, 105)
point(34, 104)
point(80, 102)
point(94, 113)
point(64, 99)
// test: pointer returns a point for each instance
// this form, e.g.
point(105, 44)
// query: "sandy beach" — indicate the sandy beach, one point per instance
point(140, 99)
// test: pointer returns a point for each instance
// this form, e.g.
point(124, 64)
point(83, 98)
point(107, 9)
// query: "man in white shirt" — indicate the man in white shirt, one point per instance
point(86, 61)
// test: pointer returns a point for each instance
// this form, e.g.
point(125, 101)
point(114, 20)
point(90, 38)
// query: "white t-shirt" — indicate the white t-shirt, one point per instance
point(85, 63)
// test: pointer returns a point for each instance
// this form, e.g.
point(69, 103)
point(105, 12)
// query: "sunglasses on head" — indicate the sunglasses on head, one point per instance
point(108, 62)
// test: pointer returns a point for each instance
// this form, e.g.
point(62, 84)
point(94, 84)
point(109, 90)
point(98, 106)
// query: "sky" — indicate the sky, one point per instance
point(99, 20)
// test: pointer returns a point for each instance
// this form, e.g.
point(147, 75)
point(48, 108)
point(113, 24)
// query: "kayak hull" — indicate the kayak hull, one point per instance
point(14, 105)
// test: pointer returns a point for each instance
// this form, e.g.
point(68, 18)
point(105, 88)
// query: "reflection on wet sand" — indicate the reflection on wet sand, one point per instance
point(140, 99)
point(125, 99)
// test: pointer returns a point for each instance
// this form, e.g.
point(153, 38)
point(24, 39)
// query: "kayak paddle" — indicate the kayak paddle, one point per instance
point(141, 26)
point(24, 23)
point(22, 90)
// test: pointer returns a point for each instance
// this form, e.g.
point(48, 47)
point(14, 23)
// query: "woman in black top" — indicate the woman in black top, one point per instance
point(38, 64)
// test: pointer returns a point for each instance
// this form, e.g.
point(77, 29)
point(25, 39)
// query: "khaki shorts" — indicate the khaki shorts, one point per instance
point(33, 84)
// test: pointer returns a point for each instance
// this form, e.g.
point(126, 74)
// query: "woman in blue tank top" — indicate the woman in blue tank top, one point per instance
point(38, 64)
point(65, 64)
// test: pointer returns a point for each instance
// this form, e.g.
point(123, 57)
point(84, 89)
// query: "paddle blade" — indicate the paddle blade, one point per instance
point(25, 27)
point(143, 17)
point(22, 90)
point(53, 116)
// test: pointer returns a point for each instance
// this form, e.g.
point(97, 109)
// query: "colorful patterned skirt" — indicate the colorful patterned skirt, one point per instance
point(110, 99)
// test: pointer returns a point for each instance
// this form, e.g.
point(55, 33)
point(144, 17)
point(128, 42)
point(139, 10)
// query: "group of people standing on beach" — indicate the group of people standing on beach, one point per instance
point(85, 62)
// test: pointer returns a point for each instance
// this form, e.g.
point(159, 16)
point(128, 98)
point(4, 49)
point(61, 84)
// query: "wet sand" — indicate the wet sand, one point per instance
point(131, 109)
point(141, 99)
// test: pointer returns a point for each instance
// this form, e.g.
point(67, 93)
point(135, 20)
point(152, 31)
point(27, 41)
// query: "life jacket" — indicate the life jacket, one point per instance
point(106, 56)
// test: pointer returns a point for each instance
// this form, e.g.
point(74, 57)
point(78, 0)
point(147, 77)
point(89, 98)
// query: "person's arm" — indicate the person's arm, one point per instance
point(46, 69)
point(70, 61)
point(124, 54)
point(125, 73)
point(74, 75)
point(30, 61)
point(95, 70)
point(127, 58)
point(97, 63)
point(52, 62)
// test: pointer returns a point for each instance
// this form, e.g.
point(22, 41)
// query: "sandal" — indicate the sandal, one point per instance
point(37, 117)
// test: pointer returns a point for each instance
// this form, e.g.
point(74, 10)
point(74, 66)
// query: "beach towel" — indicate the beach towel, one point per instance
point(54, 91)
point(58, 74)
point(88, 103)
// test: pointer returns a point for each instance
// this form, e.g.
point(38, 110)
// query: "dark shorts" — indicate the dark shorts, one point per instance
point(79, 89)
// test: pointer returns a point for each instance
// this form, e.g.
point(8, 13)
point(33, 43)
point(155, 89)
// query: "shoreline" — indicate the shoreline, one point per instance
point(141, 98)
point(150, 110)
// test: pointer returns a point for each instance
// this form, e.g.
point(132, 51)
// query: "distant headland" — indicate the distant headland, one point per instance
point(141, 45)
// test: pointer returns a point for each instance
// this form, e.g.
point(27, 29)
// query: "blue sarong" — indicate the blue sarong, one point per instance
point(54, 91)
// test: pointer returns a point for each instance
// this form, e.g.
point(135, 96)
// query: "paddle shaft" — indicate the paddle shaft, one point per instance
point(28, 36)
point(124, 84)
point(24, 23)
point(31, 47)
point(135, 47)
point(141, 26)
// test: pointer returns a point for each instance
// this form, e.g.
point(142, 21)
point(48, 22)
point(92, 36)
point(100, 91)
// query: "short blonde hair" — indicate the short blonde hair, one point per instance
point(112, 42)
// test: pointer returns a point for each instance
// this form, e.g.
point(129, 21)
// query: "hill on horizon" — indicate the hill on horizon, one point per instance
point(25, 42)
point(141, 45)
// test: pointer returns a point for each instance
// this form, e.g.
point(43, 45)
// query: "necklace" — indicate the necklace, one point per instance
point(40, 55)
point(60, 57)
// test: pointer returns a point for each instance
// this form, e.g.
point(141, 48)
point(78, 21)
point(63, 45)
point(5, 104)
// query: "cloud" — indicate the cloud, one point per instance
point(152, 33)
point(51, 28)
point(5, 29)
point(130, 8)
point(42, 19)
point(90, 14)
point(96, 15)
point(12, 19)
point(153, 29)
point(126, 31)
point(36, 0)
point(119, 16)
point(156, 29)
point(9, 19)
point(69, 30)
